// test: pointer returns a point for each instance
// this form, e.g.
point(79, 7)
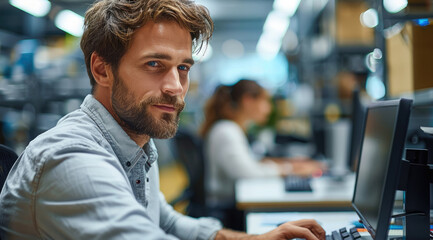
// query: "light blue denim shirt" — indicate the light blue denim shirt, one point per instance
point(86, 179)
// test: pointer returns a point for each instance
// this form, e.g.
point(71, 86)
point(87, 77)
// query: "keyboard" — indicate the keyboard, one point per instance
point(297, 184)
point(344, 234)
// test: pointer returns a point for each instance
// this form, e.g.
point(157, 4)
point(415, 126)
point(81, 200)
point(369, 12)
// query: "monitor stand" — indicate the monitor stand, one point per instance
point(415, 178)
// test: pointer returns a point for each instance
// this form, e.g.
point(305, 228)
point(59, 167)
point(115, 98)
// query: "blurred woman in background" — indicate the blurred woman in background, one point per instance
point(228, 155)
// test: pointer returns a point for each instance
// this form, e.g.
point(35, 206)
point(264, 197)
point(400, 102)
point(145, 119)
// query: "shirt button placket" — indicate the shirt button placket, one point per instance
point(147, 191)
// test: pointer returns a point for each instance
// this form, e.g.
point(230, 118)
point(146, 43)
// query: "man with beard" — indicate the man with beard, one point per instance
point(94, 175)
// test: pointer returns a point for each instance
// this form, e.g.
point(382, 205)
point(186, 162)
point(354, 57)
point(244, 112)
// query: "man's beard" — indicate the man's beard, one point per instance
point(136, 118)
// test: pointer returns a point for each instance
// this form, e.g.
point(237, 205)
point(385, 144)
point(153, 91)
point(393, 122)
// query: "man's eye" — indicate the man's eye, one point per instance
point(183, 68)
point(152, 63)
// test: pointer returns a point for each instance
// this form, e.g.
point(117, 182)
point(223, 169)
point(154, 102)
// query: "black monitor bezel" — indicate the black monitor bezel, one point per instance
point(392, 175)
point(356, 131)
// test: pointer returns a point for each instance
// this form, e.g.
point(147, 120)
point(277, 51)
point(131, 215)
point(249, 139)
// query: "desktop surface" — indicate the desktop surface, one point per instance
point(262, 222)
point(327, 193)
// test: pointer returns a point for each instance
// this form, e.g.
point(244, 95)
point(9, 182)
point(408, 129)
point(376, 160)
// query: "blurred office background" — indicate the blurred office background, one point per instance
point(310, 54)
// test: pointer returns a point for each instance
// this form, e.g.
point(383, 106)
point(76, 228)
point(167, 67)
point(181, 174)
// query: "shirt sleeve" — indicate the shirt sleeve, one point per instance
point(229, 149)
point(185, 227)
point(83, 194)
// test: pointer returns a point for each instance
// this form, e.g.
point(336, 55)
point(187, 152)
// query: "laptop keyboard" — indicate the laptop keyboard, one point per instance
point(297, 184)
point(344, 234)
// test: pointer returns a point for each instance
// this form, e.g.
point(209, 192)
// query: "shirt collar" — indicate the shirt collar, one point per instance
point(124, 147)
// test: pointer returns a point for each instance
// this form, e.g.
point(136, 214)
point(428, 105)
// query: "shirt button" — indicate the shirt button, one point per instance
point(137, 181)
point(128, 164)
point(147, 179)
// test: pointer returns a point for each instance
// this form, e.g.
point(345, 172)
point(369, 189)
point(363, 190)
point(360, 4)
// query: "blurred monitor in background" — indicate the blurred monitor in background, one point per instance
point(339, 142)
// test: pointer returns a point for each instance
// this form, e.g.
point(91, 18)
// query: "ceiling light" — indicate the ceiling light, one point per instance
point(70, 22)
point(369, 18)
point(37, 8)
point(275, 28)
point(268, 46)
point(394, 6)
point(277, 23)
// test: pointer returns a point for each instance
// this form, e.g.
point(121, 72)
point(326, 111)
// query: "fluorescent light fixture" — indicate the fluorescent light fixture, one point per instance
point(369, 18)
point(275, 28)
point(268, 46)
point(276, 23)
point(289, 7)
point(394, 6)
point(70, 22)
point(37, 8)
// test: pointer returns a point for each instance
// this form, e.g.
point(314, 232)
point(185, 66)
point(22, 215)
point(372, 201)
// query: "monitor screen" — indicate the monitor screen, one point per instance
point(378, 170)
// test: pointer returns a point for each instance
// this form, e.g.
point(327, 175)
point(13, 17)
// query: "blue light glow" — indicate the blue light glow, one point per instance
point(422, 22)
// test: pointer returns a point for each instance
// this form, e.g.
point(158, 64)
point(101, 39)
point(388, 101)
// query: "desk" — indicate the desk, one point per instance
point(268, 193)
point(258, 223)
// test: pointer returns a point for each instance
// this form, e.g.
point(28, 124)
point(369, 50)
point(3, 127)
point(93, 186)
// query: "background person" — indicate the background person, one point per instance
point(229, 113)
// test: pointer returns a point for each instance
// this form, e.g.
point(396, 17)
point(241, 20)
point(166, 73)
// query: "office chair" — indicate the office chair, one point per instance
point(190, 153)
point(7, 159)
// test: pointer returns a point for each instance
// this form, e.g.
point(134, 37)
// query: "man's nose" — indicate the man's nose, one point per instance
point(172, 83)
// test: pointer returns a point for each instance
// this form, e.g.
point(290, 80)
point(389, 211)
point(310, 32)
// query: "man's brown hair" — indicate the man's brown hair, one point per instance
point(110, 24)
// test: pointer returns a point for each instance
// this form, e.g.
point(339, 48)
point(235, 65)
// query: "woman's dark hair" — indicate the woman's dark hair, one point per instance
point(225, 100)
point(110, 24)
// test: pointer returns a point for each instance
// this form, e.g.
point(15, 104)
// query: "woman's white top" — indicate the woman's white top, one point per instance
point(228, 157)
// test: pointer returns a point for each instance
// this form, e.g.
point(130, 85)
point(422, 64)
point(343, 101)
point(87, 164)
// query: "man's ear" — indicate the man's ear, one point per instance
point(101, 70)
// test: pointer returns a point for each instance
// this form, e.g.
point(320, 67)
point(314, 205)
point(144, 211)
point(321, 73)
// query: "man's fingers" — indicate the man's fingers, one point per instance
point(306, 233)
point(312, 225)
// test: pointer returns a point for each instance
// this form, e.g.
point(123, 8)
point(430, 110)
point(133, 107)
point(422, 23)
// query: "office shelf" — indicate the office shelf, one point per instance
point(407, 16)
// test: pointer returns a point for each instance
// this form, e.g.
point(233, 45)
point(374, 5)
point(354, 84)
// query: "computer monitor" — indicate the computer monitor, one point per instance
point(357, 125)
point(384, 134)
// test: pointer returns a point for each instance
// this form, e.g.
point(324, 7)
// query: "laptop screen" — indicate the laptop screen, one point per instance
point(378, 170)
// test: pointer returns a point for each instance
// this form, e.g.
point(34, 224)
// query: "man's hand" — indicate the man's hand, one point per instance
point(308, 229)
point(305, 228)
